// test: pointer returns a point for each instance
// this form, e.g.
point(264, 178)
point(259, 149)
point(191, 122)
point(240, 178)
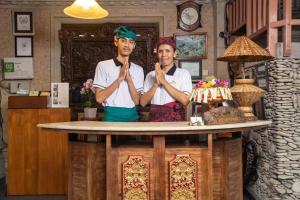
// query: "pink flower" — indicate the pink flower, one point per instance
point(88, 93)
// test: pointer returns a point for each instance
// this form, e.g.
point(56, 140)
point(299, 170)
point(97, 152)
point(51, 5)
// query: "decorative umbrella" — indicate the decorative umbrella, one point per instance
point(245, 50)
point(244, 92)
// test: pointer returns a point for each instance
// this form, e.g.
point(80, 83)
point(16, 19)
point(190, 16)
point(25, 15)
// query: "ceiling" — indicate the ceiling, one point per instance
point(101, 2)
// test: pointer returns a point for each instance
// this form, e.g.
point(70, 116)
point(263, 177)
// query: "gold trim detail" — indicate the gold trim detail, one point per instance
point(183, 178)
point(136, 179)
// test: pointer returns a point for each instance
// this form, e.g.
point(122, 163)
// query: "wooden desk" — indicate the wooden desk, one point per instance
point(37, 162)
point(157, 171)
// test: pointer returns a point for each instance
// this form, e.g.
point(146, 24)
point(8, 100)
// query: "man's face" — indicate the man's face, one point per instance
point(125, 46)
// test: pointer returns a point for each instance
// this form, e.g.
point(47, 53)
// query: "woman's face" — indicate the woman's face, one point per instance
point(166, 55)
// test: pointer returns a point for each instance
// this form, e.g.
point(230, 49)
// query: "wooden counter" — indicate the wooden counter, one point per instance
point(157, 171)
point(37, 159)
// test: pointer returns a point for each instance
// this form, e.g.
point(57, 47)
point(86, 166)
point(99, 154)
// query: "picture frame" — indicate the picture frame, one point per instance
point(191, 46)
point(193, 66)
point(23, 46)
point(23, 23)
point(262, 76)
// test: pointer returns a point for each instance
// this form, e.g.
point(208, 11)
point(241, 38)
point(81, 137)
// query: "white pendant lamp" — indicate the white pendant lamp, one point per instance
point(86, 9)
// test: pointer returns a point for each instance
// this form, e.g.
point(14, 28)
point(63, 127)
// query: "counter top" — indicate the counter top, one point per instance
point(150, 128)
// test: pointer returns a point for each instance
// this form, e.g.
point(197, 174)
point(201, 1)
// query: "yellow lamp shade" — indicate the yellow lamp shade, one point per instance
point(86, 9)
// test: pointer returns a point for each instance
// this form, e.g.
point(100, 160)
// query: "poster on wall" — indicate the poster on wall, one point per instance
point(191, 46)
point(22, 23)
point(23, 46)
point(18, 68)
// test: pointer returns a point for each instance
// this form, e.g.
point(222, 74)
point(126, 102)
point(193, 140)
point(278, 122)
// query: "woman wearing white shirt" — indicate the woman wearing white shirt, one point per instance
point(167, 87)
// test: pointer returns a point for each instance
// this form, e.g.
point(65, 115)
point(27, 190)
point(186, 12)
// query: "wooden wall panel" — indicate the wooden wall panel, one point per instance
point(227, 169)
point(233, 149)
point(200, 156)
point(118, 157)
point(87, 171)
point(52, 148)
point(37, 159)
point(227, 165)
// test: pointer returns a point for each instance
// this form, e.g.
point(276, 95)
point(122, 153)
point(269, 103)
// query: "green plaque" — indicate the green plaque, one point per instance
point(9, 67)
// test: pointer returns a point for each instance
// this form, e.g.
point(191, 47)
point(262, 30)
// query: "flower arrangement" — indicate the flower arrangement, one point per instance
point(212, 83)
point(88, 94)
point(211, 90)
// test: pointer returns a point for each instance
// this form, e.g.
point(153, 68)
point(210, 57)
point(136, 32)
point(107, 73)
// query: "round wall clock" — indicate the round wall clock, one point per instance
point(189, 16)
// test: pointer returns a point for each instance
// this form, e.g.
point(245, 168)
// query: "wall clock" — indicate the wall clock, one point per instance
point(189, 16)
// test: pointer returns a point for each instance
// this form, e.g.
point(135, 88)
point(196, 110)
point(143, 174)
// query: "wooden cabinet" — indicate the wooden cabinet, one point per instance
point(37, 158)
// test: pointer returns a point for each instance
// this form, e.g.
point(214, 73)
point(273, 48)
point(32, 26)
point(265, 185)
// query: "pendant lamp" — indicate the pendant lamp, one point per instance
point(86, 9)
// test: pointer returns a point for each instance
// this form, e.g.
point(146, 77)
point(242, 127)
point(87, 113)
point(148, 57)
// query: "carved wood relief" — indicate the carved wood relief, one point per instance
point(84, 45)
point(136, 179)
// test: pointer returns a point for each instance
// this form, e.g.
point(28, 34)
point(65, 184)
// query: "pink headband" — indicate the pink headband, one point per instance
point(167, 40)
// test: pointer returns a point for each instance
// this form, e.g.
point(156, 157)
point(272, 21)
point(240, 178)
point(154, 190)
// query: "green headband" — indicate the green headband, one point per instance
point(124, 32)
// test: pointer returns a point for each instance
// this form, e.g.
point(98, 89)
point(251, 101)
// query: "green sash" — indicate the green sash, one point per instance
point(119, 114)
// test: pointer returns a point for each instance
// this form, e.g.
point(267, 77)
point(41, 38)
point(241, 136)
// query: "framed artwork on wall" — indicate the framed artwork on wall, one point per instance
point(23, 46)
point(191, 46)
point(262, 76)
point(193, 66)
point(23, 23)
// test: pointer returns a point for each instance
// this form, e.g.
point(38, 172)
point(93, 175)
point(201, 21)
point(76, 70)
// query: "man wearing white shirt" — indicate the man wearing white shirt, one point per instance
point(119, 82)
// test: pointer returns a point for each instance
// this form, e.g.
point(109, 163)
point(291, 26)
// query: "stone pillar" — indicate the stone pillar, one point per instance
point(279, 145)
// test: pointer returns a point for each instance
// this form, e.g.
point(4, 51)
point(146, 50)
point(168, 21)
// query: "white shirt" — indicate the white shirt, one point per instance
point(107, 72)
point(177, 77)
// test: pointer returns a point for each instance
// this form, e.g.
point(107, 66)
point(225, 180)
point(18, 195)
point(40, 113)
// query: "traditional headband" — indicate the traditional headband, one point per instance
point(124, 32)
point(167, 40)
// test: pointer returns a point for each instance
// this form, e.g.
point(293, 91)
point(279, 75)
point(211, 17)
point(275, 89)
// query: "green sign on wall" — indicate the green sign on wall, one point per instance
point(9, 67)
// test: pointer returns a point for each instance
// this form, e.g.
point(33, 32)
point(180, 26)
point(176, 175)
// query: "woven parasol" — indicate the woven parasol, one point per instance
point(244, 50)
point(244, 92)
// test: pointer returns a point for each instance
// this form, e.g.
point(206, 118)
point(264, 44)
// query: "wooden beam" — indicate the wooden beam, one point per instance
point(109, 164)
point(210, 165)
point(277, 24)
point(272, 32)
point(254, 15)
point(230, 11)
point(245, 10)
point(265, 12)
point(159, 164)
point(287, 29)
point(237, 28)
point(258, 32)
point(249, 30)
point(241, 12)
point(259, 14)
point(238, 12)
point(233, 15)
point(295, 22)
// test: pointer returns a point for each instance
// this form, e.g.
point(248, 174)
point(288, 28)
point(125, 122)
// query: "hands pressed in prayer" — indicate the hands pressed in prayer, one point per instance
point(124, 72)
point(159, 74)
point(128, 76)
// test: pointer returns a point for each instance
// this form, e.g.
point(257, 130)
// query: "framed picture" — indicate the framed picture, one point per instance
point(191, 46)
point(262, 76)
point(193, 66)
point(23, 46)
point(23, 22)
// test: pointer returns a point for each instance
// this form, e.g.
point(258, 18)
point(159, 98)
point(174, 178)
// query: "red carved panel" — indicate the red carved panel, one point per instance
point(183, 178)
point(136, 179)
